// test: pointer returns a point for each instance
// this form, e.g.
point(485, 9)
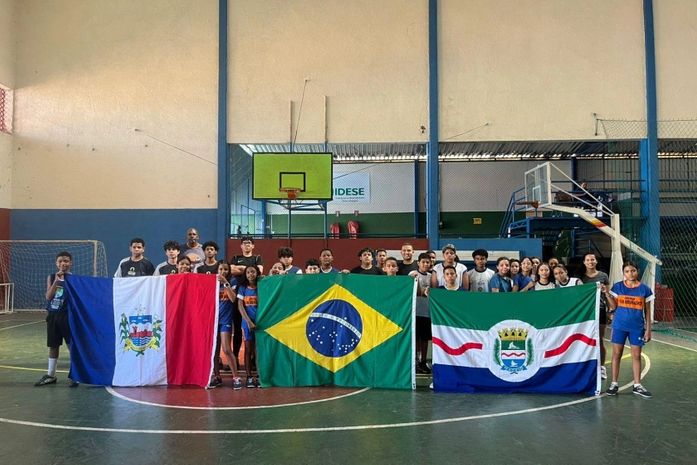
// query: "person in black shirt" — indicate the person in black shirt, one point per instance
point(237, 266)
point(210, 264)
point(366, 266)
point(169, 266)
point(136, 264)
point(57, 327)
point(407, 265)
point(240, 262)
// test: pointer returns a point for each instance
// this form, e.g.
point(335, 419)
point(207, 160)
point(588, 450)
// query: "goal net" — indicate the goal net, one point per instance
point(24, 266)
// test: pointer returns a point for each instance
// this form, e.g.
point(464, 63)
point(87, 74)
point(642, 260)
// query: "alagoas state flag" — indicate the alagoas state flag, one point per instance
point(342, 329)
point(516, 342)
point(143, 331)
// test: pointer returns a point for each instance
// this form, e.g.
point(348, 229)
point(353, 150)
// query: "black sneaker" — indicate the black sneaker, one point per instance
point(250, 382)
point(72, 383)
point(613, 389)
point(641, 391)
point(46, 379)
point(215, 382)
point(423, 366)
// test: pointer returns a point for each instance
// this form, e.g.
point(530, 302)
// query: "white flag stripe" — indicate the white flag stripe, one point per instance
point(543, 340)
point(456, 337)
point(140, 296)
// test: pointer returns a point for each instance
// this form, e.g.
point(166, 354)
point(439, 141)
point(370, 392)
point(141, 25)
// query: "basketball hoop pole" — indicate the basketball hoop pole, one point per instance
point(292, 194)
point(538, 189)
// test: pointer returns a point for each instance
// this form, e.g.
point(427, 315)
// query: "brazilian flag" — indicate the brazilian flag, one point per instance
point(341, 329)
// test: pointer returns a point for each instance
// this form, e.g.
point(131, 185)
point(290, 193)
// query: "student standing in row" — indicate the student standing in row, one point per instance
point(423, 315)
point(366, 266)
point(501, 281)
point(407, 264)
point(247, 301)
point(544, 278)
point(480, 275)
point(210, 263)
point(169, 266)
point(57, 328)
point(238, 265)
point(632, 321)
point(593, 275)
point(136, 264)
point(449, 259)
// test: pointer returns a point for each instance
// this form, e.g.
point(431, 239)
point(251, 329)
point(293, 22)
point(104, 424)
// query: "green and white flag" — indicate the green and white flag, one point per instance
point(516, 342)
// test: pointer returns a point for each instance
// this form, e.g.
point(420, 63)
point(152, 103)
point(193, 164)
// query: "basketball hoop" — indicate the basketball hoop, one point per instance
point(533, 203)
point(291, 192)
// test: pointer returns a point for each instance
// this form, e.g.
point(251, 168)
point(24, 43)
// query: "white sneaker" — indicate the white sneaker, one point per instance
point(430, 386)
point(603, 372)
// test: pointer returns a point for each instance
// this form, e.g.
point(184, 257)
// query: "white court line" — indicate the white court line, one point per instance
point(673, 344)
point(337, 428)
point(111, 391)
point(647, 367)
point(24, 324)
point(11, 367)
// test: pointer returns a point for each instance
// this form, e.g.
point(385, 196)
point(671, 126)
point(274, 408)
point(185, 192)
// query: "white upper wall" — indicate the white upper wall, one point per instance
point(89, 74)
point(538, 69)
point(523, 70)
point(676, 60)
point(7, 78)
point(369, 58)
point(8, 47)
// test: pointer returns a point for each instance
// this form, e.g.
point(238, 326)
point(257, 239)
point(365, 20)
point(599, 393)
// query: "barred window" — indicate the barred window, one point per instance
point(5, 110)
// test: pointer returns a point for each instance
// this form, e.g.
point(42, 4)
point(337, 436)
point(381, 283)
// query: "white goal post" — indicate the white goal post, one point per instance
point(25, 264)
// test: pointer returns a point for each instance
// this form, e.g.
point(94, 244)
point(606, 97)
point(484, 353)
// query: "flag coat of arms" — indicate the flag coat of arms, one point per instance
point(516, 342)
point(143, 331)
point(342, 329)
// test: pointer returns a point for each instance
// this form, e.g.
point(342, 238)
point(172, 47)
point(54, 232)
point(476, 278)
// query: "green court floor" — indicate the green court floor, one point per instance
point(94, 425)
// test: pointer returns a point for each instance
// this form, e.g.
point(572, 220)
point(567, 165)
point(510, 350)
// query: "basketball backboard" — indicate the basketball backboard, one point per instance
point(538, 186)
point(307, 175)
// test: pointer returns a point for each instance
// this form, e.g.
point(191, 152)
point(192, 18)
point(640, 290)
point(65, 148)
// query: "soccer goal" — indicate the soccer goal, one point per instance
point(24, 266)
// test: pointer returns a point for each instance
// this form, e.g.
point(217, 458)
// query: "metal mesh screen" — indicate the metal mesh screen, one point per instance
point(5, 110)
point(676, 303)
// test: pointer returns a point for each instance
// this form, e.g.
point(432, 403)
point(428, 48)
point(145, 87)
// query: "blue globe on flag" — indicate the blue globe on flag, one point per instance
point(334, 328)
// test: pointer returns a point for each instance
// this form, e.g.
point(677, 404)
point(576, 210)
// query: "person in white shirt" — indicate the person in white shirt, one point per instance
point(449, 255)
point(480, 275)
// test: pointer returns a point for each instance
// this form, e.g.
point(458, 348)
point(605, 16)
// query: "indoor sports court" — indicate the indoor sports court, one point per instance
point(341, 425)
point(307, 133)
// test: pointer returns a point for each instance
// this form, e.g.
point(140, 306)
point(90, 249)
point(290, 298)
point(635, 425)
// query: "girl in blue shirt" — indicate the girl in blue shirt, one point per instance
point(501, 282)
point(247, 301)
point(630, 298)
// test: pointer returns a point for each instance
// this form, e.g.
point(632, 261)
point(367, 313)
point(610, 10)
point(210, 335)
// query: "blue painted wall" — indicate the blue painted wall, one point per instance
point(115, 228)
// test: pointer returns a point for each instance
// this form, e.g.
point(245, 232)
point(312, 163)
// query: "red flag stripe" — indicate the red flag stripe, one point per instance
point(456, 350)
point(567, 343)
point(191, 309)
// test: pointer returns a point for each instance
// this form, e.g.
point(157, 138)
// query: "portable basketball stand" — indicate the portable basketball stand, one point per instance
point(539, 194)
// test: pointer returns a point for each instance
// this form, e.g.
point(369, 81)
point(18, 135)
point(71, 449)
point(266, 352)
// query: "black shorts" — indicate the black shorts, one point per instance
point(423, 328)
point(603, 316)
point(57, 329)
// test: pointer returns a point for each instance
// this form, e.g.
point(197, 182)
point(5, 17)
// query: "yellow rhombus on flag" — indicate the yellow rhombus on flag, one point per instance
point(292, 331)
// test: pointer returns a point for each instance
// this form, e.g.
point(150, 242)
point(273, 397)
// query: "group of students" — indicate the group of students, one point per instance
point(627, 300)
